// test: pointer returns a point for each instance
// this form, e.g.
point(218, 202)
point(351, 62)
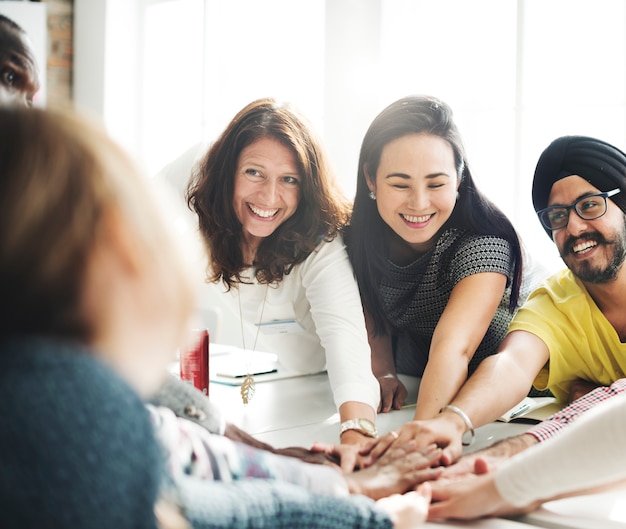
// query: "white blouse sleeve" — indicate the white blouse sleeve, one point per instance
point(336, 309)
point(588, 453)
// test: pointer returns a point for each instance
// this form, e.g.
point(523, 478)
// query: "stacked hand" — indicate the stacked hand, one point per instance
point(438, 431)
point(400, 470)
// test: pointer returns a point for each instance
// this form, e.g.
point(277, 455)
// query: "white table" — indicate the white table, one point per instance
point(298, 411)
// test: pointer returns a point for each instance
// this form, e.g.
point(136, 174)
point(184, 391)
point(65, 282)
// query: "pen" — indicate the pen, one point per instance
point(520, 411)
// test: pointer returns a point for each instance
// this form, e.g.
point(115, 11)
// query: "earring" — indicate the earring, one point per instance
point(372, 195)
point(457, 195)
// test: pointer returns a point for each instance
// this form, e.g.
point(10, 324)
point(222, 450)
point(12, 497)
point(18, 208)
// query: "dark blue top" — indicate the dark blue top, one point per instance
point(76, 445)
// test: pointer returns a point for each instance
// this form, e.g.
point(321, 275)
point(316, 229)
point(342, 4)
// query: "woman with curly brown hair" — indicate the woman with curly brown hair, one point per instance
point(271, 213)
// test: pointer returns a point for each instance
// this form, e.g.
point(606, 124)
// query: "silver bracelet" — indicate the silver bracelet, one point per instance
point(466, 420)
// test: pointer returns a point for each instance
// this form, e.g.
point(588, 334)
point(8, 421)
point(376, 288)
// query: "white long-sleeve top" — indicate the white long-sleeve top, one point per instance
point(589, 453)
point(321, 294)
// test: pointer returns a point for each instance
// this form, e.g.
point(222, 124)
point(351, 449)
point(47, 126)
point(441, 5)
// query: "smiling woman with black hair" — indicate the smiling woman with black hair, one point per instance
point(439, 266)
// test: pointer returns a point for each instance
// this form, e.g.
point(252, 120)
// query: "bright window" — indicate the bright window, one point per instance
point(516, 73)
point(206, 59)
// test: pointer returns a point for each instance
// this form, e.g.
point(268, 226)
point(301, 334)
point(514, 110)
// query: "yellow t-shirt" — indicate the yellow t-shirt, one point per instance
point(582, 342)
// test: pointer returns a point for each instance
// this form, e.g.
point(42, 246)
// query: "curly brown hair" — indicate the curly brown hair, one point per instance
point(322, 211)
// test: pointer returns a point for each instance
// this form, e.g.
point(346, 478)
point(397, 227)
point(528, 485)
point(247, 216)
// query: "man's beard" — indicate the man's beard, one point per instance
point(589, 274)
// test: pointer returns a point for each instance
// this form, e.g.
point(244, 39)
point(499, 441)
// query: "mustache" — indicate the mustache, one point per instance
point(570, 242)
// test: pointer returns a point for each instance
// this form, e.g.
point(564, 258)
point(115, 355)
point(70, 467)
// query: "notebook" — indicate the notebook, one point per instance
point(532, 409)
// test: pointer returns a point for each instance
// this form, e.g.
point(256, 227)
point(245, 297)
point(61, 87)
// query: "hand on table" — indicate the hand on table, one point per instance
point(392, 393)
point(234, 433)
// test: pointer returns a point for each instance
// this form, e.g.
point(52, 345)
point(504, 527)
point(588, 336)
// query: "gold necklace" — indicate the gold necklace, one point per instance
point(249, 386)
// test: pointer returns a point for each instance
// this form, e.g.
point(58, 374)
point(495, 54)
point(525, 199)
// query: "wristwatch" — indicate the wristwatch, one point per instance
point(365, 426)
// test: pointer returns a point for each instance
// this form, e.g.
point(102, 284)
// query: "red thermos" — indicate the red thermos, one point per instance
point(194, 363)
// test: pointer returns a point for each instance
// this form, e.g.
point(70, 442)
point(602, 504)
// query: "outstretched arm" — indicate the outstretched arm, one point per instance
point(488, 459)
point(336, 310)
point(458, 334)
point(494, 455)
point(261, 504)
point(499, 383)
point(191, 404)
point(561, 466)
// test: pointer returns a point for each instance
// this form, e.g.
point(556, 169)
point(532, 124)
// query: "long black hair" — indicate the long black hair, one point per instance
point(368, 235)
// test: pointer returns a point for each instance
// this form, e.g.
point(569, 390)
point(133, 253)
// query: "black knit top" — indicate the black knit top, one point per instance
point(415, 296)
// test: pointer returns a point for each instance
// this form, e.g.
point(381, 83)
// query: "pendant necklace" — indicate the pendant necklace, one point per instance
point(248, 387)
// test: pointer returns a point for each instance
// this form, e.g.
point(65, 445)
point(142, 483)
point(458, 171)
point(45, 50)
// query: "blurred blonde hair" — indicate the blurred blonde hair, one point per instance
point(59, 175)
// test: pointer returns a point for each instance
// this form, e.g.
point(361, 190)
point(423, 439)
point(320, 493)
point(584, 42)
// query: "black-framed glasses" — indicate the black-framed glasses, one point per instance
point(588, 208)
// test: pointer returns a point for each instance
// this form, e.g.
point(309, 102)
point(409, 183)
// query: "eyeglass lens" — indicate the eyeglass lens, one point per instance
point(587, 208)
